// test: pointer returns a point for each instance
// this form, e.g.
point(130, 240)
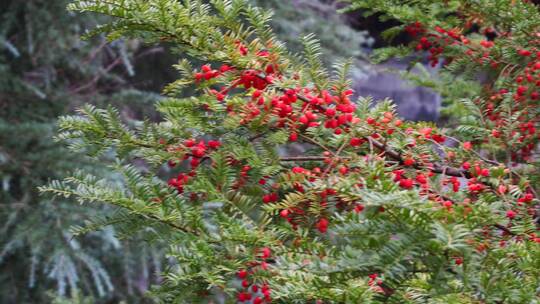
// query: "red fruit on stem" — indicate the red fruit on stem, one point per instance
point(293, 136)
point(406, 183)
point(322, 225)
point(524, 53)
point(408, 162)
point(266, 253)
point(214, 144)
point(330, 112)
point(242, 274)
point(355, 141)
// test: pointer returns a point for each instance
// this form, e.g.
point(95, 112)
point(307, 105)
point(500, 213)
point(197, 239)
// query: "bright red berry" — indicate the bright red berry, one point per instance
point(214, 144)
point(242, 274)
point(322, 225)
point(406, 183)
point(355, 141)
point(266, 253)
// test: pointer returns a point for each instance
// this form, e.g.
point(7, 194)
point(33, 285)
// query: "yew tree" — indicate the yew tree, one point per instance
point(373, 209)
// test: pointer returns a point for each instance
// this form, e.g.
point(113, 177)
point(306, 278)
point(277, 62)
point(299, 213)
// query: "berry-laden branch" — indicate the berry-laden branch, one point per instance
point(395, 155)
point(353, 219)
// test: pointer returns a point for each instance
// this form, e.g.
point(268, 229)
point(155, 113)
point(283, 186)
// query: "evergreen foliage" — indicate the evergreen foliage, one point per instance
point(488, 55)
point(376, 210)
point(47, 70)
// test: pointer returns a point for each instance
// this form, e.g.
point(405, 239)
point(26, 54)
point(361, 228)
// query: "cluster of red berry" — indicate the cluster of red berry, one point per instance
point(523, 89)
point(192, 151)
point(375, 283)
point(524, 76)
point(301, 108)
point(257, 293)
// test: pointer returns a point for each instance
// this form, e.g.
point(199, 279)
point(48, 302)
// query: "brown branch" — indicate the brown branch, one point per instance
point(108, 68)
point(97, 77)
point(503, 228)
point(306, 158)
point(437, 168)
point(302, 158)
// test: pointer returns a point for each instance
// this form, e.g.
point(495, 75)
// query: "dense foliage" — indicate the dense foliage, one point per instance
point(374, 210)
point(488, 51)
point(46, 71)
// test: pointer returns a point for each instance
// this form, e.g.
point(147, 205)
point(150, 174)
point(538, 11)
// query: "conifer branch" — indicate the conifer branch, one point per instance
point(437, 168)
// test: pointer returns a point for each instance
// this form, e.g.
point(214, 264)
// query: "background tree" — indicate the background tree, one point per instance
point(45, 71)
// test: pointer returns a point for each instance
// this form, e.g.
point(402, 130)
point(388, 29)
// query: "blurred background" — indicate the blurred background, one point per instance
point(46, 71)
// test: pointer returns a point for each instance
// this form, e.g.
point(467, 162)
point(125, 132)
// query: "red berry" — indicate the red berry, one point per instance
point(242, 274)
point(421, 179)
point(206, 68)
point(355, 141)
point(198, 152)
point(194, 162)
point(330, 112)
point(293, 136)
point(521, 90)
point(224, 68)
point(524, 53)
point(484, 172)
point(298, 170)
point(406, 183)
point(266, 253)
point(408, 162)
point(244, 296)
point(214, 144)
point(322, 225)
